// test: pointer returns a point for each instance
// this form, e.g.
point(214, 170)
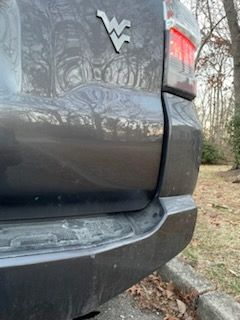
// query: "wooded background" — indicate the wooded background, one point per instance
point(218, 73)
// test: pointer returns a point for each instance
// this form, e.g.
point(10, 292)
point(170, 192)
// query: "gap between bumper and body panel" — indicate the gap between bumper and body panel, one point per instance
point(62, 283)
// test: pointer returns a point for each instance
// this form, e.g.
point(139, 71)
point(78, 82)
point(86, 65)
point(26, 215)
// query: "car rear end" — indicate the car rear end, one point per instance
point(100, 149)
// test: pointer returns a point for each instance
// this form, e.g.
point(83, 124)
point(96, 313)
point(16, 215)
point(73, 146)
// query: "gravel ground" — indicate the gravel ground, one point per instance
point(124, 308)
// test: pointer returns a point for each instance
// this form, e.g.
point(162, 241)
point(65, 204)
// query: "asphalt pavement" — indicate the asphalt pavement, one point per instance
point(124, 308)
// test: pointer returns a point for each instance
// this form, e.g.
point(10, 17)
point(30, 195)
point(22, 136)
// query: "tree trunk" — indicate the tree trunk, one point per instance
point(232, 17)
point(234, 27)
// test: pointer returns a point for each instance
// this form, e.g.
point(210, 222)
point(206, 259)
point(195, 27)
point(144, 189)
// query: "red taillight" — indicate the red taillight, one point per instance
point(182, 39)
point(182, 49)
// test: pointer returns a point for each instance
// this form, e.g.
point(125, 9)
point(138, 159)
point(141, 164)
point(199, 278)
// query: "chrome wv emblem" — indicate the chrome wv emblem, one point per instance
point(115, 30)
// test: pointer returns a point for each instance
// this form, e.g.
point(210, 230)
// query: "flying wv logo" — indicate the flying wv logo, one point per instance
point(115, 30)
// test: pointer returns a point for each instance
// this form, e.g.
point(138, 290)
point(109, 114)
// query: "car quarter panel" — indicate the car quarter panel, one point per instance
point(182, 147)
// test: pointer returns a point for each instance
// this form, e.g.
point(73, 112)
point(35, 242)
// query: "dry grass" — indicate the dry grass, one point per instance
point(215, 249)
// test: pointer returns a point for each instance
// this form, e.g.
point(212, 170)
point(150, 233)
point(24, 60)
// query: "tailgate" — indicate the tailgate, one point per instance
point(81, 119)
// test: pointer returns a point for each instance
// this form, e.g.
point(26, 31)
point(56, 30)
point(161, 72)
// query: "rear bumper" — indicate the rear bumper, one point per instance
point(67, 278)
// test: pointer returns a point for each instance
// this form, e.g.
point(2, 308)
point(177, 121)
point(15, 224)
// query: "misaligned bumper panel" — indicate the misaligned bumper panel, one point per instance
point(64, 284)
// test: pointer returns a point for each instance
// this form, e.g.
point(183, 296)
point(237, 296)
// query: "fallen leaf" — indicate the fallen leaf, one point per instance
point(169, 294)
point(181, 307)
point(170, 287)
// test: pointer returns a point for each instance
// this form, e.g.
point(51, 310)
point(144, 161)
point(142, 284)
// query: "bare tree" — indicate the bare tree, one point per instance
point(214, 68)
point(232, 17)
point(232, 12)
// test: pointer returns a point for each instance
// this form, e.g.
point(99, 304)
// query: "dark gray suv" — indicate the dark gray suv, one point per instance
point(99, 149)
